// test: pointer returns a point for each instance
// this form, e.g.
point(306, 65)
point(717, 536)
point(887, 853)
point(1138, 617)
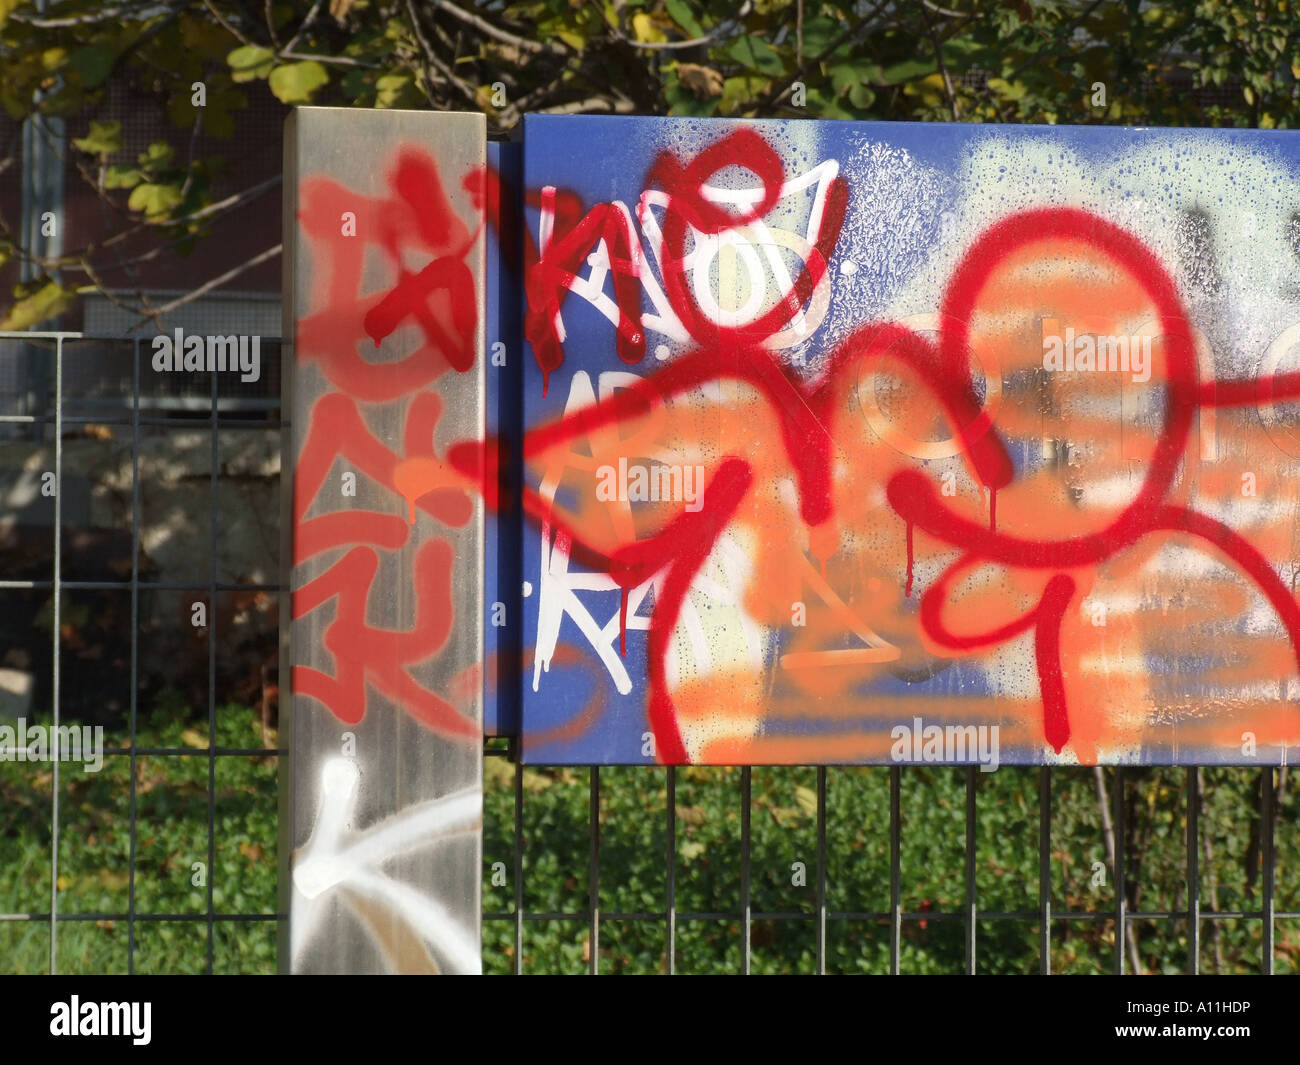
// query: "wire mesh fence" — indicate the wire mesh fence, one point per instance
point(165, 859)
point(885, 869)
point(108, 899)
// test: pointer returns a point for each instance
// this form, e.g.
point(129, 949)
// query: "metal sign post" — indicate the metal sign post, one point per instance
point(384, 260)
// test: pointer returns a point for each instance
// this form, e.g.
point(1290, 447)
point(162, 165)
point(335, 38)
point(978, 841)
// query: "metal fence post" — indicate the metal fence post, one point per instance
point(384, 211)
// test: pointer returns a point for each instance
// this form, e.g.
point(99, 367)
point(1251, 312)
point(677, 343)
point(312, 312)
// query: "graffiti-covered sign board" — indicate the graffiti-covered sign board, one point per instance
point(866, 443)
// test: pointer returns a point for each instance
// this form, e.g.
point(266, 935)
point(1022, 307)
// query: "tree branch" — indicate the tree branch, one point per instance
point(431, 59)
point(868, 22)
point(337, 60)
point(591, 104)
point(944, 11)
point(1038, 57)
point(719, 33)
point(498, 34)
point(112, 14)
point(149, 314)
point(215, 282)
point(306, 24)
point(228, 27)
point(943, 69)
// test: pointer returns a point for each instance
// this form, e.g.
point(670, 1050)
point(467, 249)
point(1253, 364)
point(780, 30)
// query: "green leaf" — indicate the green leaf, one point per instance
point(907, 70)
point(806, 798)
point(818, 33)
point(295, 83)
point(157, 156)
point(156, 201)
point(535, 782)
point(683, 102)
point(824, 106)
point(48, 301)
point(1010, 90)
point(737, 92)
point(394, 90)
point(218, 118)
point(65, 101)
point(104, 138)
point(755, 53)
point(854, 72)
point(250, 62)
point(122, 176)
point(862, 97)
point(680, 12)
point(94, 63)
point(644, 28)
point(960, 48)
point(356, 86)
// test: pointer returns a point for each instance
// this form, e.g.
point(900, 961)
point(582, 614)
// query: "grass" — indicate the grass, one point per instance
point(633, 837)
point(173, 799)
point(172, 865)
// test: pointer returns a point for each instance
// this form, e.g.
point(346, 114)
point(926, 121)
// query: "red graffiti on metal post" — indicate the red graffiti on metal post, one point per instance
point(416, 221)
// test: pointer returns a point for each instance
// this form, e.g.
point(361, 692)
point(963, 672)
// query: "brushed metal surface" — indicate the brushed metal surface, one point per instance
point(385, 774)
